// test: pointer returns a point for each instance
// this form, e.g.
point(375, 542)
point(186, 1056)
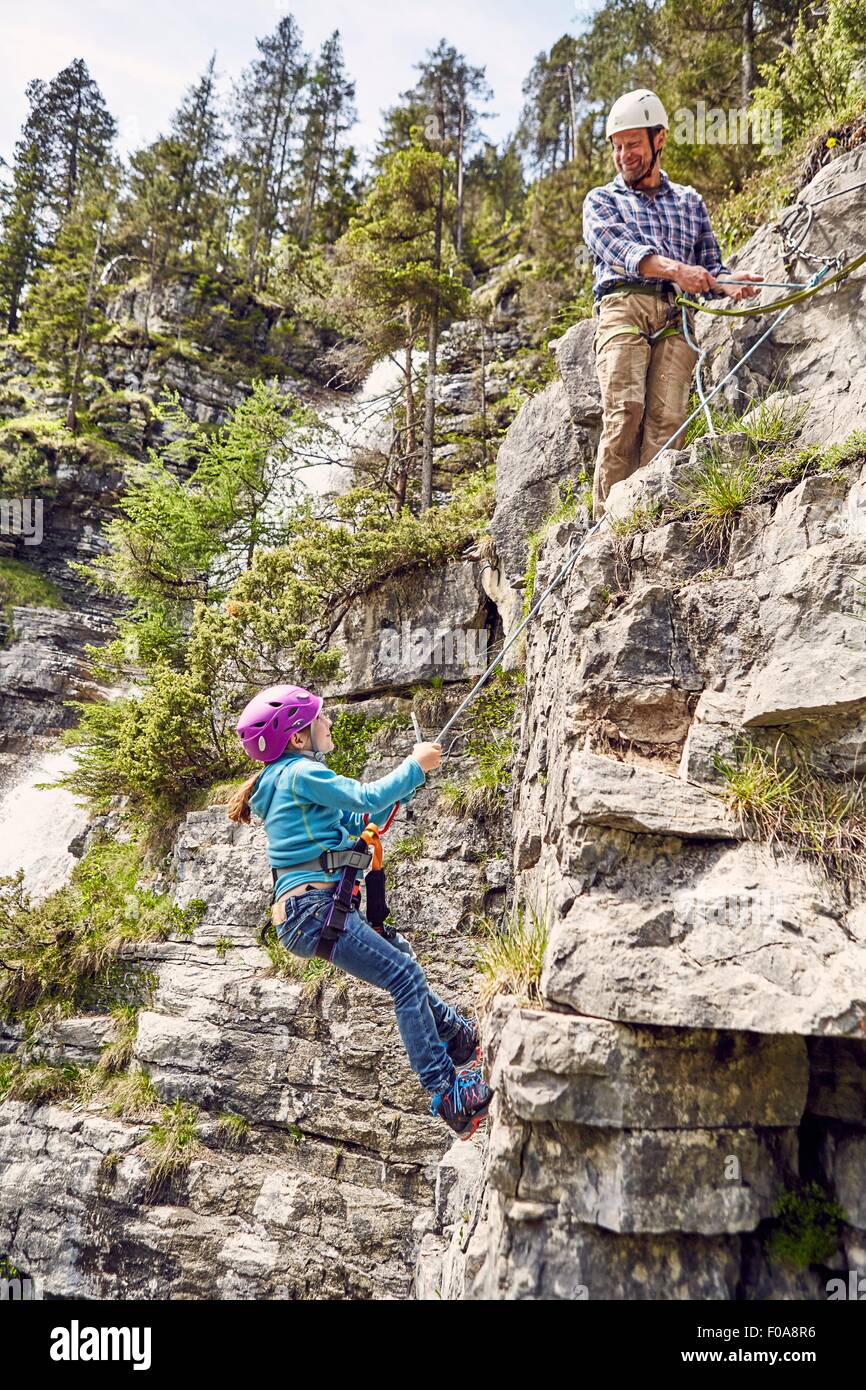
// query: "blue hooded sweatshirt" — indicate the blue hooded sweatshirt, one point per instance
point(307, 808)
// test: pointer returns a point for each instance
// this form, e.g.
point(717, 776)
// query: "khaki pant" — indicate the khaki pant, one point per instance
point(644, 387)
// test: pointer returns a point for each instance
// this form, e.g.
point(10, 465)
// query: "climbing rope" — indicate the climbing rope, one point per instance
point(789, 300)
point(577, 549)
point(699, 382)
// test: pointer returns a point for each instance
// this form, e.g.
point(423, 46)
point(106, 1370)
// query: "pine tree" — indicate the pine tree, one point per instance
point(443, 98)
point(325, 165)
point(65, 312)
point(65, 139)
point(442, 104)
point(391, 278)
point(74, 131)
point(547, 131)
point(19, 237)
point(170, 216)
point(198, 131)
point(267, 101)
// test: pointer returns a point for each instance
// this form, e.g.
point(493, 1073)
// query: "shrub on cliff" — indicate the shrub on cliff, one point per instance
point(68, 952)
point(227, 597)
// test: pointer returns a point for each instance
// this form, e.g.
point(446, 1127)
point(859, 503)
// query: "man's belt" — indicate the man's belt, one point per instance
point(629, 287)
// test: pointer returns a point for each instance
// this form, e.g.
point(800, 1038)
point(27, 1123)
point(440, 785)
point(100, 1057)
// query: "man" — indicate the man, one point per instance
point(650, 238)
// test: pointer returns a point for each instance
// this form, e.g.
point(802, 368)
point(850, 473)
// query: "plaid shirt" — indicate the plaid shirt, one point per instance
point(621, 225)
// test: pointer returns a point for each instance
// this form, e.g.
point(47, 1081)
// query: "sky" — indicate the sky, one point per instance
point(145, 55)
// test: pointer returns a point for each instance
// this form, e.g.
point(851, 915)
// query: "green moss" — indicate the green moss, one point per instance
point(22, 586)
point(805, 1228)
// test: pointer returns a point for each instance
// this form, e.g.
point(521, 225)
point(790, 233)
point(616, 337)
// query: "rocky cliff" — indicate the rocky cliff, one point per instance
point(695, 1046)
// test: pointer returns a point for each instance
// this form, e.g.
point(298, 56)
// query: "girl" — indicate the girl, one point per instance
point(306, 809)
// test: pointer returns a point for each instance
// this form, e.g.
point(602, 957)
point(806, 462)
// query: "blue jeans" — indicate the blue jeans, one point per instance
point(422, 1017)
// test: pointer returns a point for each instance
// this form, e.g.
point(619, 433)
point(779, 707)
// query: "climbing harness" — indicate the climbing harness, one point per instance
point(365, 854)
point(669, 327)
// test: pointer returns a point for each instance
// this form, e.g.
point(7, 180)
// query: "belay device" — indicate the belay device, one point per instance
point(365, 853)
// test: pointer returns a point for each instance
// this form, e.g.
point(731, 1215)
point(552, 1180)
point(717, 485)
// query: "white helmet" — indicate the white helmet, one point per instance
point(635, 110)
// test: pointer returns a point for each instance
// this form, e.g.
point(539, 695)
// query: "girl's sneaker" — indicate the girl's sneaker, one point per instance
point(465, 1046)
point(466, 1104)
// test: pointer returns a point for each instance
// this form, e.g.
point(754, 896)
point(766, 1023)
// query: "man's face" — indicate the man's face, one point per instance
point(632, 152)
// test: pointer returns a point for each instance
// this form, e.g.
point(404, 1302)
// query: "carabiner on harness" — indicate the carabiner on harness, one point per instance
point(348, 895)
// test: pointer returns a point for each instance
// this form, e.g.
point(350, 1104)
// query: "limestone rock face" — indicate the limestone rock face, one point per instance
point(658, 918)
point(44, 665)
point(626, 797)
point(546, 445)
point(423, 623)
point(693, 1045)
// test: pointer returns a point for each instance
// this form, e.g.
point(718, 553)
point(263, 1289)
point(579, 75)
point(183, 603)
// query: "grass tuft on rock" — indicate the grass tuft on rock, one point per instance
point(511, 956)
point(74, 951)
point(489, 722)
point(116, 1055)
point(173, 1144)
point(566, 509)
point(819, 818)
point(311, 973)
point(717, 488)
point(232, 1129)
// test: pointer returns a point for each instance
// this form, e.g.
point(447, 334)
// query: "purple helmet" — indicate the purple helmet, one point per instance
point(272, 716)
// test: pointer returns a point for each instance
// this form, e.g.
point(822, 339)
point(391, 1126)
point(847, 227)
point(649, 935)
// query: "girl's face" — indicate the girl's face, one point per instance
point(321, 727)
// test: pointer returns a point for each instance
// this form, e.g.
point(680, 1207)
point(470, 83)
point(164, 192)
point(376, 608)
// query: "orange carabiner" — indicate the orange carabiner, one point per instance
point(370, 833)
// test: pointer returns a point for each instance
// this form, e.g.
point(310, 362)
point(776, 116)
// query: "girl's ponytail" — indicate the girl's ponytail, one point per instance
point(238, 807)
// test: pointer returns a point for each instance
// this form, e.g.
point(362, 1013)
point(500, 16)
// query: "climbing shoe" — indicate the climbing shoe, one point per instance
point(465, 1045)
point(465, 1105)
